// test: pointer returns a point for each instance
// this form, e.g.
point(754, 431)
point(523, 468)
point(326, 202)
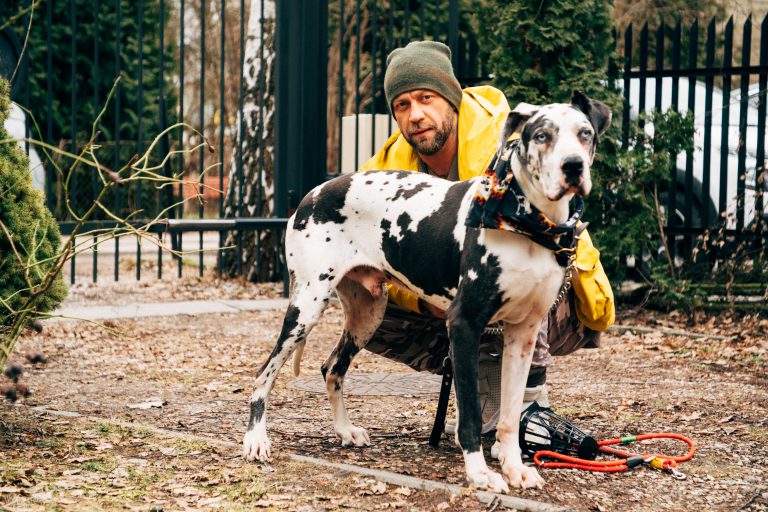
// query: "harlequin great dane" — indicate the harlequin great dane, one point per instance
point(357, 232)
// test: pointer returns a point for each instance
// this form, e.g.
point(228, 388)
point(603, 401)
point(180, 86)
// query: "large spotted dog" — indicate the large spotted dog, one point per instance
point(356, 232)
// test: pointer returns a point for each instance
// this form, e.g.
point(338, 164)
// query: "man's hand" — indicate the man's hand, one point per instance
point(426, 307)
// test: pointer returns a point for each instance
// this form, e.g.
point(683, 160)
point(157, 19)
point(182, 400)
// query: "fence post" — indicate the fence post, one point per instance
point(453, 33)
point(301, 85)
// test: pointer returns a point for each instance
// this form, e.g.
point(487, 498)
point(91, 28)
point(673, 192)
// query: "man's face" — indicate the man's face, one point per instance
point(425, 119)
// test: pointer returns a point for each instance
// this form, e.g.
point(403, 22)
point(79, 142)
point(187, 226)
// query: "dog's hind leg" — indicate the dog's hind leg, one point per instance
point(362, 316)
point(304, 310)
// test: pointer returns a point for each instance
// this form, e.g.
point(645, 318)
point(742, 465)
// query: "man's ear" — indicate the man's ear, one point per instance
point(597, 112)
point(515, 121)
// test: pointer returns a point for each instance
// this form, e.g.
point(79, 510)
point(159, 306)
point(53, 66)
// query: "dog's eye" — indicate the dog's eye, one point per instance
point(586, 134)
point(541, 137)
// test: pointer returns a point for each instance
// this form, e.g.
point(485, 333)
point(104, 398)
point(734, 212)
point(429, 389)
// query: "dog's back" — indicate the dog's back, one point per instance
point(406, 224)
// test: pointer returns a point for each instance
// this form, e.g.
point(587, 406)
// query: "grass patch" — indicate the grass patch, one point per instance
point(99, 466)
point(49, 443)
point(575, 411)
point(108, 429)
point(9, 475)
point(188, 446)
point(759, 434)
point(252, 488)
point(132, 494)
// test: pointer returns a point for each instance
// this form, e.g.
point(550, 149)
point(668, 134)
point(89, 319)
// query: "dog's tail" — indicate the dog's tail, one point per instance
point(297, 358)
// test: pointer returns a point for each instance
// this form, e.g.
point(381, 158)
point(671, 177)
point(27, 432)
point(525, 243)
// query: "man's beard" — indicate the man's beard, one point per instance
point(430, 147)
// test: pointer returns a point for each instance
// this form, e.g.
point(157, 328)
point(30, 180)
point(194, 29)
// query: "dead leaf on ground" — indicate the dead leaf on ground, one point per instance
point(150, 403)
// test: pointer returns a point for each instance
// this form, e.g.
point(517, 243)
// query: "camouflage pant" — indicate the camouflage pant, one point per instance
point(421, 341)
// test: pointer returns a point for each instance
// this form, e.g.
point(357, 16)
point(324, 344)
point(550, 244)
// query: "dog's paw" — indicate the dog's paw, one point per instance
point(487, 480)
point(352, 436)
point(522, 476)
point(256, 446)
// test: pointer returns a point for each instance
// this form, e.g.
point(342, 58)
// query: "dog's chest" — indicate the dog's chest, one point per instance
point(528, 279)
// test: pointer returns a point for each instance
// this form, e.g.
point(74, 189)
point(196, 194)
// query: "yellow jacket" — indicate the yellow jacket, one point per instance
point(482, 113)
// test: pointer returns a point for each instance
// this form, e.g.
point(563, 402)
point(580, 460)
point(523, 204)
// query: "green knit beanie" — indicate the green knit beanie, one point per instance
point(421, 65)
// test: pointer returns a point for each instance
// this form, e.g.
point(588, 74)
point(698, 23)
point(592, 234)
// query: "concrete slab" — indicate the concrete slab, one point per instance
point(196, 307)
point(256, 305)
point(375, 384)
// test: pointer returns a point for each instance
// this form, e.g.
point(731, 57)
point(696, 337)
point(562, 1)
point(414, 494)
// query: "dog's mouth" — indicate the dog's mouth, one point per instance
point(582, 188)
point(560, 194)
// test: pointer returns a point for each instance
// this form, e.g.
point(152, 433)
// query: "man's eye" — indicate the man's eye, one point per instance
point(586, 134)
point(541, 137)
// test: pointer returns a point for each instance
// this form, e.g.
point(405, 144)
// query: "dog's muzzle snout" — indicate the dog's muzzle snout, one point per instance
point(573, 167)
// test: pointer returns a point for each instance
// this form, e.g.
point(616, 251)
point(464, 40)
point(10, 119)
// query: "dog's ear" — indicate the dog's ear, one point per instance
point(516, 120)
point(596, 111)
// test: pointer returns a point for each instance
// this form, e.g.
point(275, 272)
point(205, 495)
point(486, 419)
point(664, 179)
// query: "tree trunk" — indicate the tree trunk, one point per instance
point(257, 186)
point(343, 54)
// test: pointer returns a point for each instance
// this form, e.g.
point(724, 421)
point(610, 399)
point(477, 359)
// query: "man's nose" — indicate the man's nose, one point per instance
point(416, 114)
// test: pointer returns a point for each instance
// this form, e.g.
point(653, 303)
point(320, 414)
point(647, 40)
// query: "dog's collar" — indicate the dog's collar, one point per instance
point(499, 203)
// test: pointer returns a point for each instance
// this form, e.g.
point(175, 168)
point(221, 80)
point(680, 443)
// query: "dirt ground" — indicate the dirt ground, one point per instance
point(141, 386)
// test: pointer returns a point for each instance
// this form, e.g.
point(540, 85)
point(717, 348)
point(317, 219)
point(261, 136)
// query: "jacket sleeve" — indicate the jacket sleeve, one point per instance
point(594, 296)
point(403, 298)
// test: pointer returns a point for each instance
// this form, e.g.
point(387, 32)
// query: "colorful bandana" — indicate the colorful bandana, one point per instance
point(499, 203)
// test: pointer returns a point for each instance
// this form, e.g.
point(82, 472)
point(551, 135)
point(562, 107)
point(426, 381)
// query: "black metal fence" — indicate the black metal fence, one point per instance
point(724, 178)
point(175, 59)
point(184, 60)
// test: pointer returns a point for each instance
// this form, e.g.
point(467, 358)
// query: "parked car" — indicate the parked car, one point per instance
point(718, 124)
point(14, 125)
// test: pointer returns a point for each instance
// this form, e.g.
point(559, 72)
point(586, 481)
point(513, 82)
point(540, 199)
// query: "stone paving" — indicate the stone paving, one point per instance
point(376, 384)
point(191, 307)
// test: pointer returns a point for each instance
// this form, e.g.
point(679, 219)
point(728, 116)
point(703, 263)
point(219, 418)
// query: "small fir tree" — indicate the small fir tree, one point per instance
point(540, 52)
point(29, 238)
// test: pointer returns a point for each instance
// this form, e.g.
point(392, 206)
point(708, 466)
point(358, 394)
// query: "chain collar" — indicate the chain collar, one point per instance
point(567, 282)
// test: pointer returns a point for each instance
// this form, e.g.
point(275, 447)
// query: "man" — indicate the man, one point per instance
point(453, 134)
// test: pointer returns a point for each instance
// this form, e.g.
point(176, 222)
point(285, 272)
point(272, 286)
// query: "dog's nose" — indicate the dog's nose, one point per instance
point(572, 167)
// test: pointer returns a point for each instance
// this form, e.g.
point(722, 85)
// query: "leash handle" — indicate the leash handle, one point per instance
point(629, 460)
point(604, 445)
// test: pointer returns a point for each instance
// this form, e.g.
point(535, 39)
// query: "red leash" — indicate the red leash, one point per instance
point(628, 460)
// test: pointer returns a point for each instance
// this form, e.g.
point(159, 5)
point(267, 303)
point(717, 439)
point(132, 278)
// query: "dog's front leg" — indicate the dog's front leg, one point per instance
point(464, 331)
point(519, 343)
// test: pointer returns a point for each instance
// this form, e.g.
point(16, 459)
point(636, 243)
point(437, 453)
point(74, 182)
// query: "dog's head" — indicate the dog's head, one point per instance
point(558, 143)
